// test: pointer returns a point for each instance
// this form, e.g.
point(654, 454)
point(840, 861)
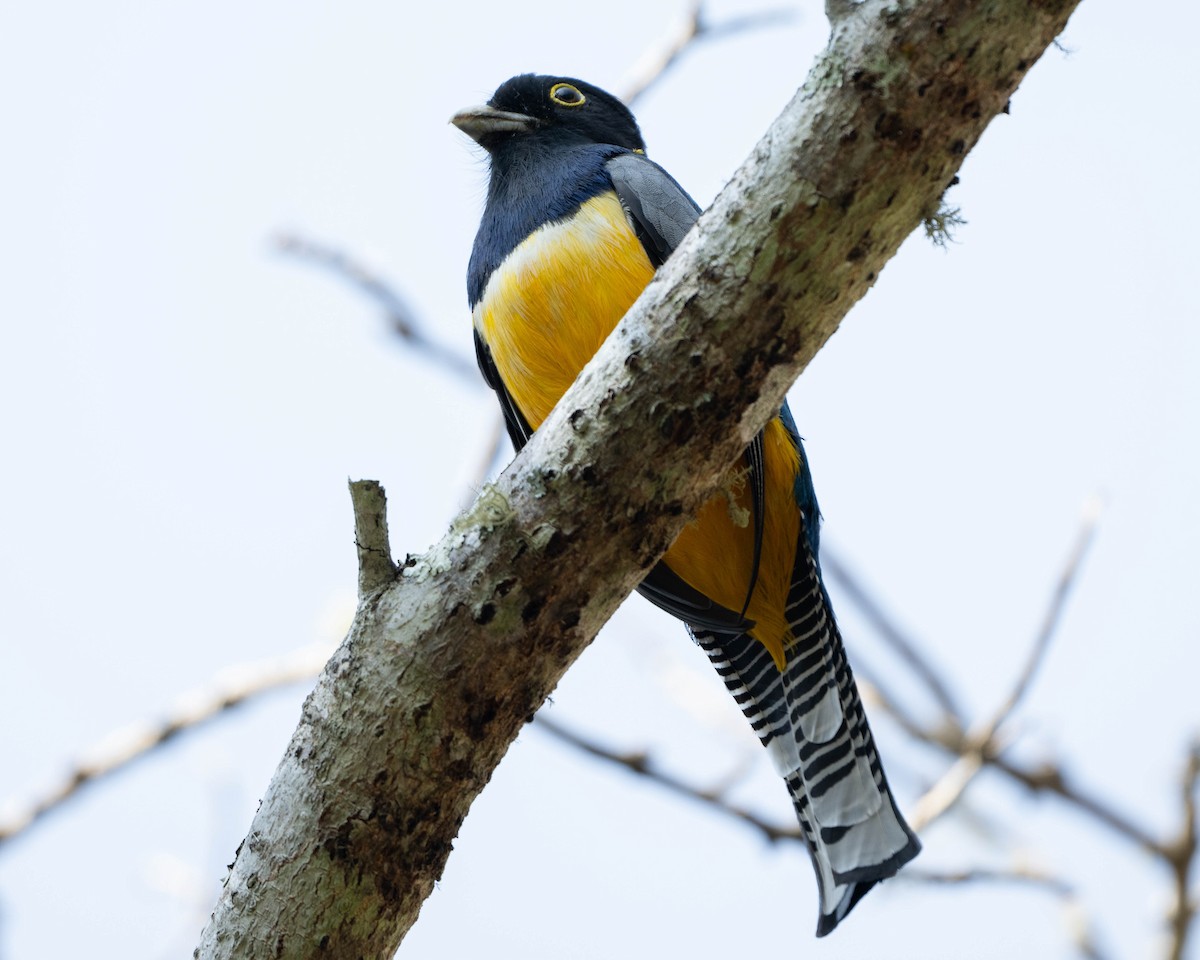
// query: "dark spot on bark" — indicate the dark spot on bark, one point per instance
point(555, 545)
point(632, 361)
point(889, 126)
point(1022, 64)
point(850, 135)
point(279, 946)
point(501, 589)
point(480, 714)
point(485, 614)
point(532, 609)
point(323, 943)
point(923, 87)
point(459, 770)
point(575, 419)
point(710, 274)
point(569, 619)
point(970, 109)
point(957, 148)
point(954, 182)
point(1007, 107)
point(678, 425)
point(587, 475)
point(870, 276)
point(776, 210)
point(845, 200)
point(890, 198)
point(856, 253)
point(864, 80)
point(381, 778)
point(547, 475)
point(673, 509)
point(337, 847)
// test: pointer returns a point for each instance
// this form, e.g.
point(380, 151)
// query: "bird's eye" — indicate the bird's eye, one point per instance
point(567, 95)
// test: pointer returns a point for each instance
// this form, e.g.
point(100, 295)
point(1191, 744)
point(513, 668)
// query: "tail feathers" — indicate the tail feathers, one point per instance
point(810, 719)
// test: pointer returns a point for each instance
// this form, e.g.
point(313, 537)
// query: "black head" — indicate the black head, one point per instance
point(553, 109)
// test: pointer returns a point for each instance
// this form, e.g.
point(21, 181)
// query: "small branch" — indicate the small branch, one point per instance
point(1066, 580)
point(976, 748)
point(1022, 876)
point(232, 687)
point(640, 763)
point(658, 60)
point(1182, 857)
point(904, 646)
point(1052, 779)
point(492, 452)
point(1082, 928)
point(375, 566)
point(939, 798)
point(401, 318)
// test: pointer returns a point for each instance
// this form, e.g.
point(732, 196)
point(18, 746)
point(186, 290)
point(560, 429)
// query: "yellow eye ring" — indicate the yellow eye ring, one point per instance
point(567, 95)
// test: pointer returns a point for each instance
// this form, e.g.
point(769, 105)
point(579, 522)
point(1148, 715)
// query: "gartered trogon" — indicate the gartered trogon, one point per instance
point(577, 221)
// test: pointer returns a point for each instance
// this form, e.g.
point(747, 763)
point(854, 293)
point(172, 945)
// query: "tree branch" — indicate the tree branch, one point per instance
point(903, 645)
point(116, 752)
point(443, 666)
point(1182, 858)
point(375, 567)
point(694, 26)
point(400, 316)
point(640, 763)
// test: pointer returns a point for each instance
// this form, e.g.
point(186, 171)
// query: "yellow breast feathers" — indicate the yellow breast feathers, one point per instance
point(547, 308)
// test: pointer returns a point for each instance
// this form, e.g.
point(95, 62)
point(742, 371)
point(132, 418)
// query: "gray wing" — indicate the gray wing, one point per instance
point(661, 209)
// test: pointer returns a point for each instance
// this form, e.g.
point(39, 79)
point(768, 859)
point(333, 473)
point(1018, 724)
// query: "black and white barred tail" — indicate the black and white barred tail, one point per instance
point(810, 719)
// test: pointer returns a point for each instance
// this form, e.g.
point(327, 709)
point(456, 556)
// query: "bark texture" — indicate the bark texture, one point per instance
point(450, 656)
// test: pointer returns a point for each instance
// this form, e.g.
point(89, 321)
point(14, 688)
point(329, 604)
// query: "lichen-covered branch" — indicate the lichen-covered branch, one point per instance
point(443, 666)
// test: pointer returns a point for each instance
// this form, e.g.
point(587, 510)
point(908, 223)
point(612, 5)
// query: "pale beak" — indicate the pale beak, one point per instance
point(479, 122)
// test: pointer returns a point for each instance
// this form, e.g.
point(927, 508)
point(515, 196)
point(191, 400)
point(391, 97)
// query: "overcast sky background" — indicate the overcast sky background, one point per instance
point(182, 406)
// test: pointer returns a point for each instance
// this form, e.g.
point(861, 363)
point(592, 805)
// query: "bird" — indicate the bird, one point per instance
point(576, 222)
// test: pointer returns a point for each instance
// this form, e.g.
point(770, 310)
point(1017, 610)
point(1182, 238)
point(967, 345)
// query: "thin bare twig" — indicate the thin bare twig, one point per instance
point(1182, 857)
point(492, 452)
point(639, 762)
point(978, 745)
point(1081, 927)
point(401, 318)
point(233, 687)
point(1066, 580)
point(1021, 876)
point(907, 649)
point(658, 60)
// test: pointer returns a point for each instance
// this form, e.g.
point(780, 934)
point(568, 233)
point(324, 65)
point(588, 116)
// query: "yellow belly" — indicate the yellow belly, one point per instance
point(544, 313)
